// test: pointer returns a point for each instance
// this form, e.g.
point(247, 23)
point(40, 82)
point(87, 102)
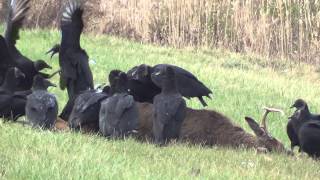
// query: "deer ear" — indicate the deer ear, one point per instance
point(255, 126)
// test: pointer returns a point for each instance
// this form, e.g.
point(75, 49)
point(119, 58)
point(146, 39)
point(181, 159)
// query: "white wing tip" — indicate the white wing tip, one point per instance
point(70, 7)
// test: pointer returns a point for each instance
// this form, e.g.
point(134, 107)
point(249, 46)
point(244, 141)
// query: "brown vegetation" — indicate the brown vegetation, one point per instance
point(289, 29)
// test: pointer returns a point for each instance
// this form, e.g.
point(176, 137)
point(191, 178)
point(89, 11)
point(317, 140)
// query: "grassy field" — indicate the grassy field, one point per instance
point(241, 86)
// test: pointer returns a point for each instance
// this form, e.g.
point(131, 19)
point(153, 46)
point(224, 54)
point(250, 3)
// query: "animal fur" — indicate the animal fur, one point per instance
point(208, 127)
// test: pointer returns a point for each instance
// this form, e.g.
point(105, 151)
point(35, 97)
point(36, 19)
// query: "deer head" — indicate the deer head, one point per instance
point(265, 139)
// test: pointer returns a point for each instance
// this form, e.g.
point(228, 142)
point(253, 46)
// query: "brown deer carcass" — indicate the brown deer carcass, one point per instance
point(210, 128)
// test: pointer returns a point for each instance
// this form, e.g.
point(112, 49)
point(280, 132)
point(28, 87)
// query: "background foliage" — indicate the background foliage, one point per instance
point(287, 29)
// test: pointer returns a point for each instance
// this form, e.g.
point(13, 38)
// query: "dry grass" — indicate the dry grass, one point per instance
point(288, 29)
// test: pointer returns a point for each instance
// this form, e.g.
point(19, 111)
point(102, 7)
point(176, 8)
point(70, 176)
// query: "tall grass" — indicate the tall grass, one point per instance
point(276, 28)
point(287, 29)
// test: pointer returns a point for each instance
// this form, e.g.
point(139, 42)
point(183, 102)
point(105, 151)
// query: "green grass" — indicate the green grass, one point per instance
point(241, 85)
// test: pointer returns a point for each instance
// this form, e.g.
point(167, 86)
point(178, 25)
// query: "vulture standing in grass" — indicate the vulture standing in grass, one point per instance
point(169, 108)
point(119, 113)
point(41, 107)
point(75, 75)
point(293, 136)
point(12, 106)
point(187, 84)
point(309, 138)
point(300, 116)
point(17, 13)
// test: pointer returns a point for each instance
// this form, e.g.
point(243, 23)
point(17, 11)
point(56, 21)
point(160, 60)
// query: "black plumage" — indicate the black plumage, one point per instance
point(118, 114)
point(140, 84)
point(302, 106)
point(309, 137)
point(66, 111)
point(16, 16)
point(85, 111)
point(75, 75)
point(12, 105)
point(41, 107)
point(299, 117)
point(169, 108)
point(293, 136)
point(6, 60)
point(55, 49)
point(113, 80)
point(187, 84)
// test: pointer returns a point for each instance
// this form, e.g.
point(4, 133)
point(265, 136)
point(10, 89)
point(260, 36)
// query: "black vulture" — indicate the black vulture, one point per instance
point(6, 60)
point(169, 108)
point(16, 16)
point(113, 80)
point(119, 113)
point(41, 107)
point(75, 75)
point(309, 138)
point(300, 104)
point(12, 105)
point(299, 117)
point(66, 111)
point(55, 49)
point(187, 84)
point(292, 134)
point(86, 107)
point(140, 84)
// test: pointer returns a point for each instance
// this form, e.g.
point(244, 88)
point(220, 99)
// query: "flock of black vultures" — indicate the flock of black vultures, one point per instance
point(115, 110)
